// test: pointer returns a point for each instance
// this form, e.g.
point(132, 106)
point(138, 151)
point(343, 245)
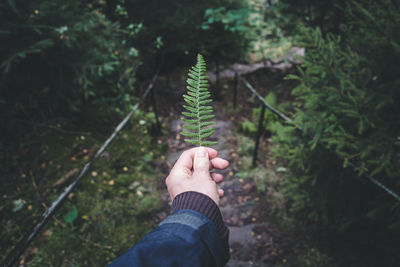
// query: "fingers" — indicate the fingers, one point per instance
point(201, 163)
point(186, 158)
point(221, 192)
point(218, 163)
point(217, 177)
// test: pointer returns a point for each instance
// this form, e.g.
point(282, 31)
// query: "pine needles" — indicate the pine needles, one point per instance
point(198, 116)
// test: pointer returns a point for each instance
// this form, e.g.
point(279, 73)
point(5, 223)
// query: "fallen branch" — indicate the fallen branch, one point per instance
point(65, 177)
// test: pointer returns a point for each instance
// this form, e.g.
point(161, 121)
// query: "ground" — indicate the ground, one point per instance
point(122, 192)
point(251, 202)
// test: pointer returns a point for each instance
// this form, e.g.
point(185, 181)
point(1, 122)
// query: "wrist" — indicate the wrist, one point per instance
point(203, 204)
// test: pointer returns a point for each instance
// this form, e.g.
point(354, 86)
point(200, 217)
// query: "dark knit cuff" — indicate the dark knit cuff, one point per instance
point(202, 204)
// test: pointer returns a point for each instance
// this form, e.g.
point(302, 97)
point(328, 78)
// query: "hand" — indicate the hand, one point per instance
point(192, 173)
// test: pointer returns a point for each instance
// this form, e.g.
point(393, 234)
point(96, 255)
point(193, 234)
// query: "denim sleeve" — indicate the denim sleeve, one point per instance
point(185, 238)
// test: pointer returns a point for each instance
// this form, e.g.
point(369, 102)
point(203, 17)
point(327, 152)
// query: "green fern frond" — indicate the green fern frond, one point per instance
point(198, 115)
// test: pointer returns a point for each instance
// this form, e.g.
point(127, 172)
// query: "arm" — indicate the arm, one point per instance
point(194, 234)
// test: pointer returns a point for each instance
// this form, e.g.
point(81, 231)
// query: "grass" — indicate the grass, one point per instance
point(112, 208)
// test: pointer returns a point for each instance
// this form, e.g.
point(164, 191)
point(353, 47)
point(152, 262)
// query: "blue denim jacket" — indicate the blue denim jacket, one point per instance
point(185, 238)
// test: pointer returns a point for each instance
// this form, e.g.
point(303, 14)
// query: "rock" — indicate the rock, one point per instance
point(239, 263)
point(244, 235)
point(246, 241)
point(237, 215)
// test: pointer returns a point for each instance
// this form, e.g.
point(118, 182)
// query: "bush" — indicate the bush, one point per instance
point(347, 105)
point(188, 27)
point(65, 50)
point(56, 59)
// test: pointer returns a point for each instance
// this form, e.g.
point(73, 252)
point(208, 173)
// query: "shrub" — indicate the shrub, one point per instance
point(347, 106)
point(57, 58)
point(182, 26)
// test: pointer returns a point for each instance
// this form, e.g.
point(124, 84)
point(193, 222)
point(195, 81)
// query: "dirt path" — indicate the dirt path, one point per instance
point(253, 239)
point(240, 200)
point(250, 241)
point(283, 63)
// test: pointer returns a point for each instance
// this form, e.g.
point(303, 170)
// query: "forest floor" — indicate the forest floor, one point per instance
point(122, 184)
point(252, 207)
point(119, 201)
point(253, 240)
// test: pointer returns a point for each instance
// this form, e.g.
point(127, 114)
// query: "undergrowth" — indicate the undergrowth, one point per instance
point(107, 213)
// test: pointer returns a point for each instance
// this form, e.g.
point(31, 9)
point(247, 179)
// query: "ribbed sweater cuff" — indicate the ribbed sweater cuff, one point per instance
point(203, 204)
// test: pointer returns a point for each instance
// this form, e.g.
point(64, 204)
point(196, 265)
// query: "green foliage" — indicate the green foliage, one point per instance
point(255, 24)
point(111, 209)
point(250, 127)
point(105, 230)
point(233, 20)
point(71, 216)
point(268, 34)
point(65, 50)
point(358, 104)
point(347, 102)
point(198, 113)
point(179, 25)
point(60, 59)
point(329, 15)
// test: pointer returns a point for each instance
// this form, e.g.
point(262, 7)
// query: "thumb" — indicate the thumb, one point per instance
point(201, 162)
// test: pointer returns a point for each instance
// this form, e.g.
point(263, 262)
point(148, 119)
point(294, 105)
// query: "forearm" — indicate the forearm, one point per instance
point(206, 206)
point(193, 235)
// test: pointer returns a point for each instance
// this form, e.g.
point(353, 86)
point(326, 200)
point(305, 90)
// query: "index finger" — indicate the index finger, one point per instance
point(187, 157)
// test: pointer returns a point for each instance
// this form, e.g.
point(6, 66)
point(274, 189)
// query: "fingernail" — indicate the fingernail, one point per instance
point(201, 152)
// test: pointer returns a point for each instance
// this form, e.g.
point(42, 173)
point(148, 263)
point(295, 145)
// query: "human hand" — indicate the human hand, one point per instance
point(192, 173)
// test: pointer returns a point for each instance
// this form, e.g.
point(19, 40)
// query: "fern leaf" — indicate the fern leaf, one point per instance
point(198, 114)
point(208, 143)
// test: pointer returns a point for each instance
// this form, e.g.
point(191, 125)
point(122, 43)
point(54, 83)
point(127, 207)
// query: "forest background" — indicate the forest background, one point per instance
point(71, 69)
